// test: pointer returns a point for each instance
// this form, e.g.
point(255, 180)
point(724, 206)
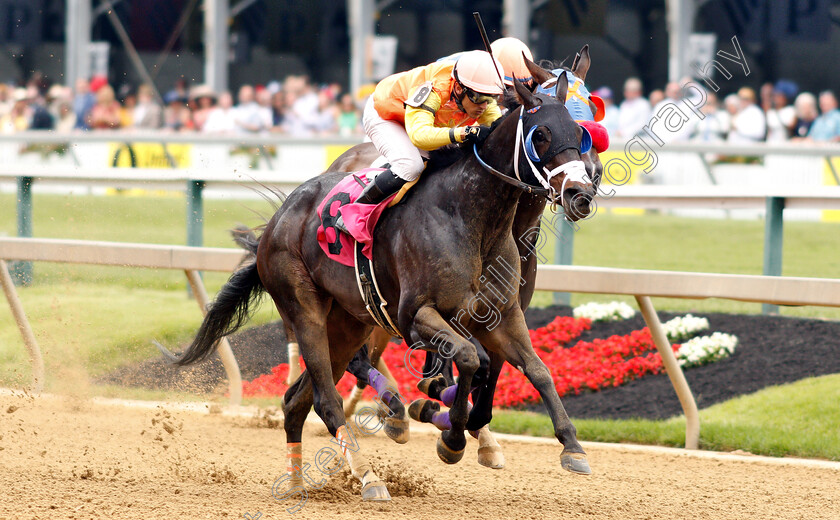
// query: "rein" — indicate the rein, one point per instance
point(527, 188)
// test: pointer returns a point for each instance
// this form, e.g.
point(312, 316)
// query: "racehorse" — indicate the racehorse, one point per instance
point(434, 255)
point(526, 225)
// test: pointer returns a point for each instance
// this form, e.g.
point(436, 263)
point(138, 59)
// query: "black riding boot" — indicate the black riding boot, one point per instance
point(383, 186)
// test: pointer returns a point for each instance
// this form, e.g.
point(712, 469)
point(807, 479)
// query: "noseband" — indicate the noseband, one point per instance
point(575, 170)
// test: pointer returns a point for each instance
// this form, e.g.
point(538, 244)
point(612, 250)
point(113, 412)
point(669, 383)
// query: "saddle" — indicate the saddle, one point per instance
point(355, 248)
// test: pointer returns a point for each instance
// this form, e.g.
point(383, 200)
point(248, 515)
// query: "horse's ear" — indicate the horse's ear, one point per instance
point(523, 95)
point(539, 74)
point(562, 88)
point(575, 62)
point(581, 66)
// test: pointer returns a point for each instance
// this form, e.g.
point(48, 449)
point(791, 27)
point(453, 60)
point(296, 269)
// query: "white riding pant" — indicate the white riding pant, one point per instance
point(392, 141)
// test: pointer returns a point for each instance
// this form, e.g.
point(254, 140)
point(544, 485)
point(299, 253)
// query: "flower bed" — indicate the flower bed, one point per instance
point(574, 368)
point(612, 311)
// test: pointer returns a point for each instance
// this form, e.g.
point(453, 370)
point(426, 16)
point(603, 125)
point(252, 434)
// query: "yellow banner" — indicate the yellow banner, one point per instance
point(149, 155)
point(636, 173)
point(334, 151)
point(831, 215)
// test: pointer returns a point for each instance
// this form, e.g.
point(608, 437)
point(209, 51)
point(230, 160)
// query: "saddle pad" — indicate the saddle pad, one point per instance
point(360, 219)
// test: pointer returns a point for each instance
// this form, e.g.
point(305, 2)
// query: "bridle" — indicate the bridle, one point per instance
point(574, 170)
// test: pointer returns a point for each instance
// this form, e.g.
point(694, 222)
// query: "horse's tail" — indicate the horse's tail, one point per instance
point(225, 315)
point(245, 238)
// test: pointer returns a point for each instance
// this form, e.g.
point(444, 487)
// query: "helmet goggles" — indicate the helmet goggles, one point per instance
point(477, 97)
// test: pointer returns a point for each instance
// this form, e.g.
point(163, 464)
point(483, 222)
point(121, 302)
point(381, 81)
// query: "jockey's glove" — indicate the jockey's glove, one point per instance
point(476, 134)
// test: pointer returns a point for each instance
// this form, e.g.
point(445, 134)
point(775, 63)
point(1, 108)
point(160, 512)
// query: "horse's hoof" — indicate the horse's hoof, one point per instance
point(425, 385)
point(422, 410)
point(447, 455)
point(375, 492)
point(576, 463)
point(491, 457)
point(397, 429)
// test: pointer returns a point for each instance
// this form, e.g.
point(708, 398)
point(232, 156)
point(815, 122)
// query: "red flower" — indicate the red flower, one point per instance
point(585, 366)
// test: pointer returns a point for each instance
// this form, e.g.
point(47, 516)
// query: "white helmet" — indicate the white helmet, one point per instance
point(509, 53)
point(479, 71)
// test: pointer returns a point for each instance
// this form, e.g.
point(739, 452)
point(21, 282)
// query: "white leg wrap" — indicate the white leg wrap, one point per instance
point(294, 362)
point(294, 457)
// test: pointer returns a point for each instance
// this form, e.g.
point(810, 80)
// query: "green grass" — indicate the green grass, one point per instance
point(799, 419)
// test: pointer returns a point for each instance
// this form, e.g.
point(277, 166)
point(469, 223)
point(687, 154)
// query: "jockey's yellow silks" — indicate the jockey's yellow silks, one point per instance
point(428, 125)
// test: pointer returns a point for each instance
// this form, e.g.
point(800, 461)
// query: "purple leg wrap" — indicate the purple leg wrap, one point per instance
point(448, 394)
point(441, 420)
point(380, 384)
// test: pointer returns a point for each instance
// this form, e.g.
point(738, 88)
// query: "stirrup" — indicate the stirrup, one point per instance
point(339, 224)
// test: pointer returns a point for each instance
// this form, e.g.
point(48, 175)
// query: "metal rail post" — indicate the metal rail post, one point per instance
point(773, 235)
point(564, 246)
point(675, 373)
point(195, 217)
point(195, 213)
point(22, 271)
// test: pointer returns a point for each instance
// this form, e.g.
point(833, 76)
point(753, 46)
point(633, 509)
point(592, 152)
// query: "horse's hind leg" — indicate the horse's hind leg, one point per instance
point(345, 335)
point(376, 344)
point(296, 404)
point(390, 402)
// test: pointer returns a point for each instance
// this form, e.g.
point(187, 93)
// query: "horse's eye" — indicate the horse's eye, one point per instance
point(539, 136)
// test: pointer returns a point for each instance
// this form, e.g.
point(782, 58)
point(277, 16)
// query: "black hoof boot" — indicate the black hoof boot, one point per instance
point(432, 386)
point(422, 410)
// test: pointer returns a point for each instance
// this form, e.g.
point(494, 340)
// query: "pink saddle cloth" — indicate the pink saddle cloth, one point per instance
point(360, 219)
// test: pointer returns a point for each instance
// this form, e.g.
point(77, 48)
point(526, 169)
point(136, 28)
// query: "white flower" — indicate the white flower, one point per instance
point(612, 311)
point(681, 328)
point(706, 349)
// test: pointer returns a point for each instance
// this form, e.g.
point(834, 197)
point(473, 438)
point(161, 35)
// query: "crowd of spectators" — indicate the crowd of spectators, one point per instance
point(779, 112)
point(297, 107)
point(294, 107)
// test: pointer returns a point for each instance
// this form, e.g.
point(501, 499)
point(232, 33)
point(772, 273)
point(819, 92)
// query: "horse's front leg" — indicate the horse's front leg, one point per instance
point(511, 340)
point(429, 328)
point(489, 451)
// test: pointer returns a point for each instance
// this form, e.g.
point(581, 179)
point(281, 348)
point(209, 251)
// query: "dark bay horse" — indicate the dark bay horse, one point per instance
point(526, 226)
point(435, 254)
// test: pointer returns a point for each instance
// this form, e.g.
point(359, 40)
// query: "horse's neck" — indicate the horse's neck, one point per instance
point(528, 212)
point(487, 204)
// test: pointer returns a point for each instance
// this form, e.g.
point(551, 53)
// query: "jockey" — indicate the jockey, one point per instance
point(509, 52)
point(585, 108)
point(427, 108)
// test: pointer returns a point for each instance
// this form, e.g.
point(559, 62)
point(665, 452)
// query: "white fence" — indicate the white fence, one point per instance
point(641, 284)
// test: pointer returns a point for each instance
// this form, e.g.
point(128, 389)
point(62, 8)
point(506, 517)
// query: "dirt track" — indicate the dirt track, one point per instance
point(67, 458)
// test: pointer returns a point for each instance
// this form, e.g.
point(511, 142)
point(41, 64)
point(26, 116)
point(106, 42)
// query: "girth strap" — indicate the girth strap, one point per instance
point(369, 289)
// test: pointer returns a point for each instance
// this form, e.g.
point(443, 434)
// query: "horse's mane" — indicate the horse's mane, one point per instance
point(449, 155)
point(444, 157)
point(554, 64)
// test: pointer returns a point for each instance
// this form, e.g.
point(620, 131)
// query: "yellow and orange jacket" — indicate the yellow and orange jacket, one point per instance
point(427, 125)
